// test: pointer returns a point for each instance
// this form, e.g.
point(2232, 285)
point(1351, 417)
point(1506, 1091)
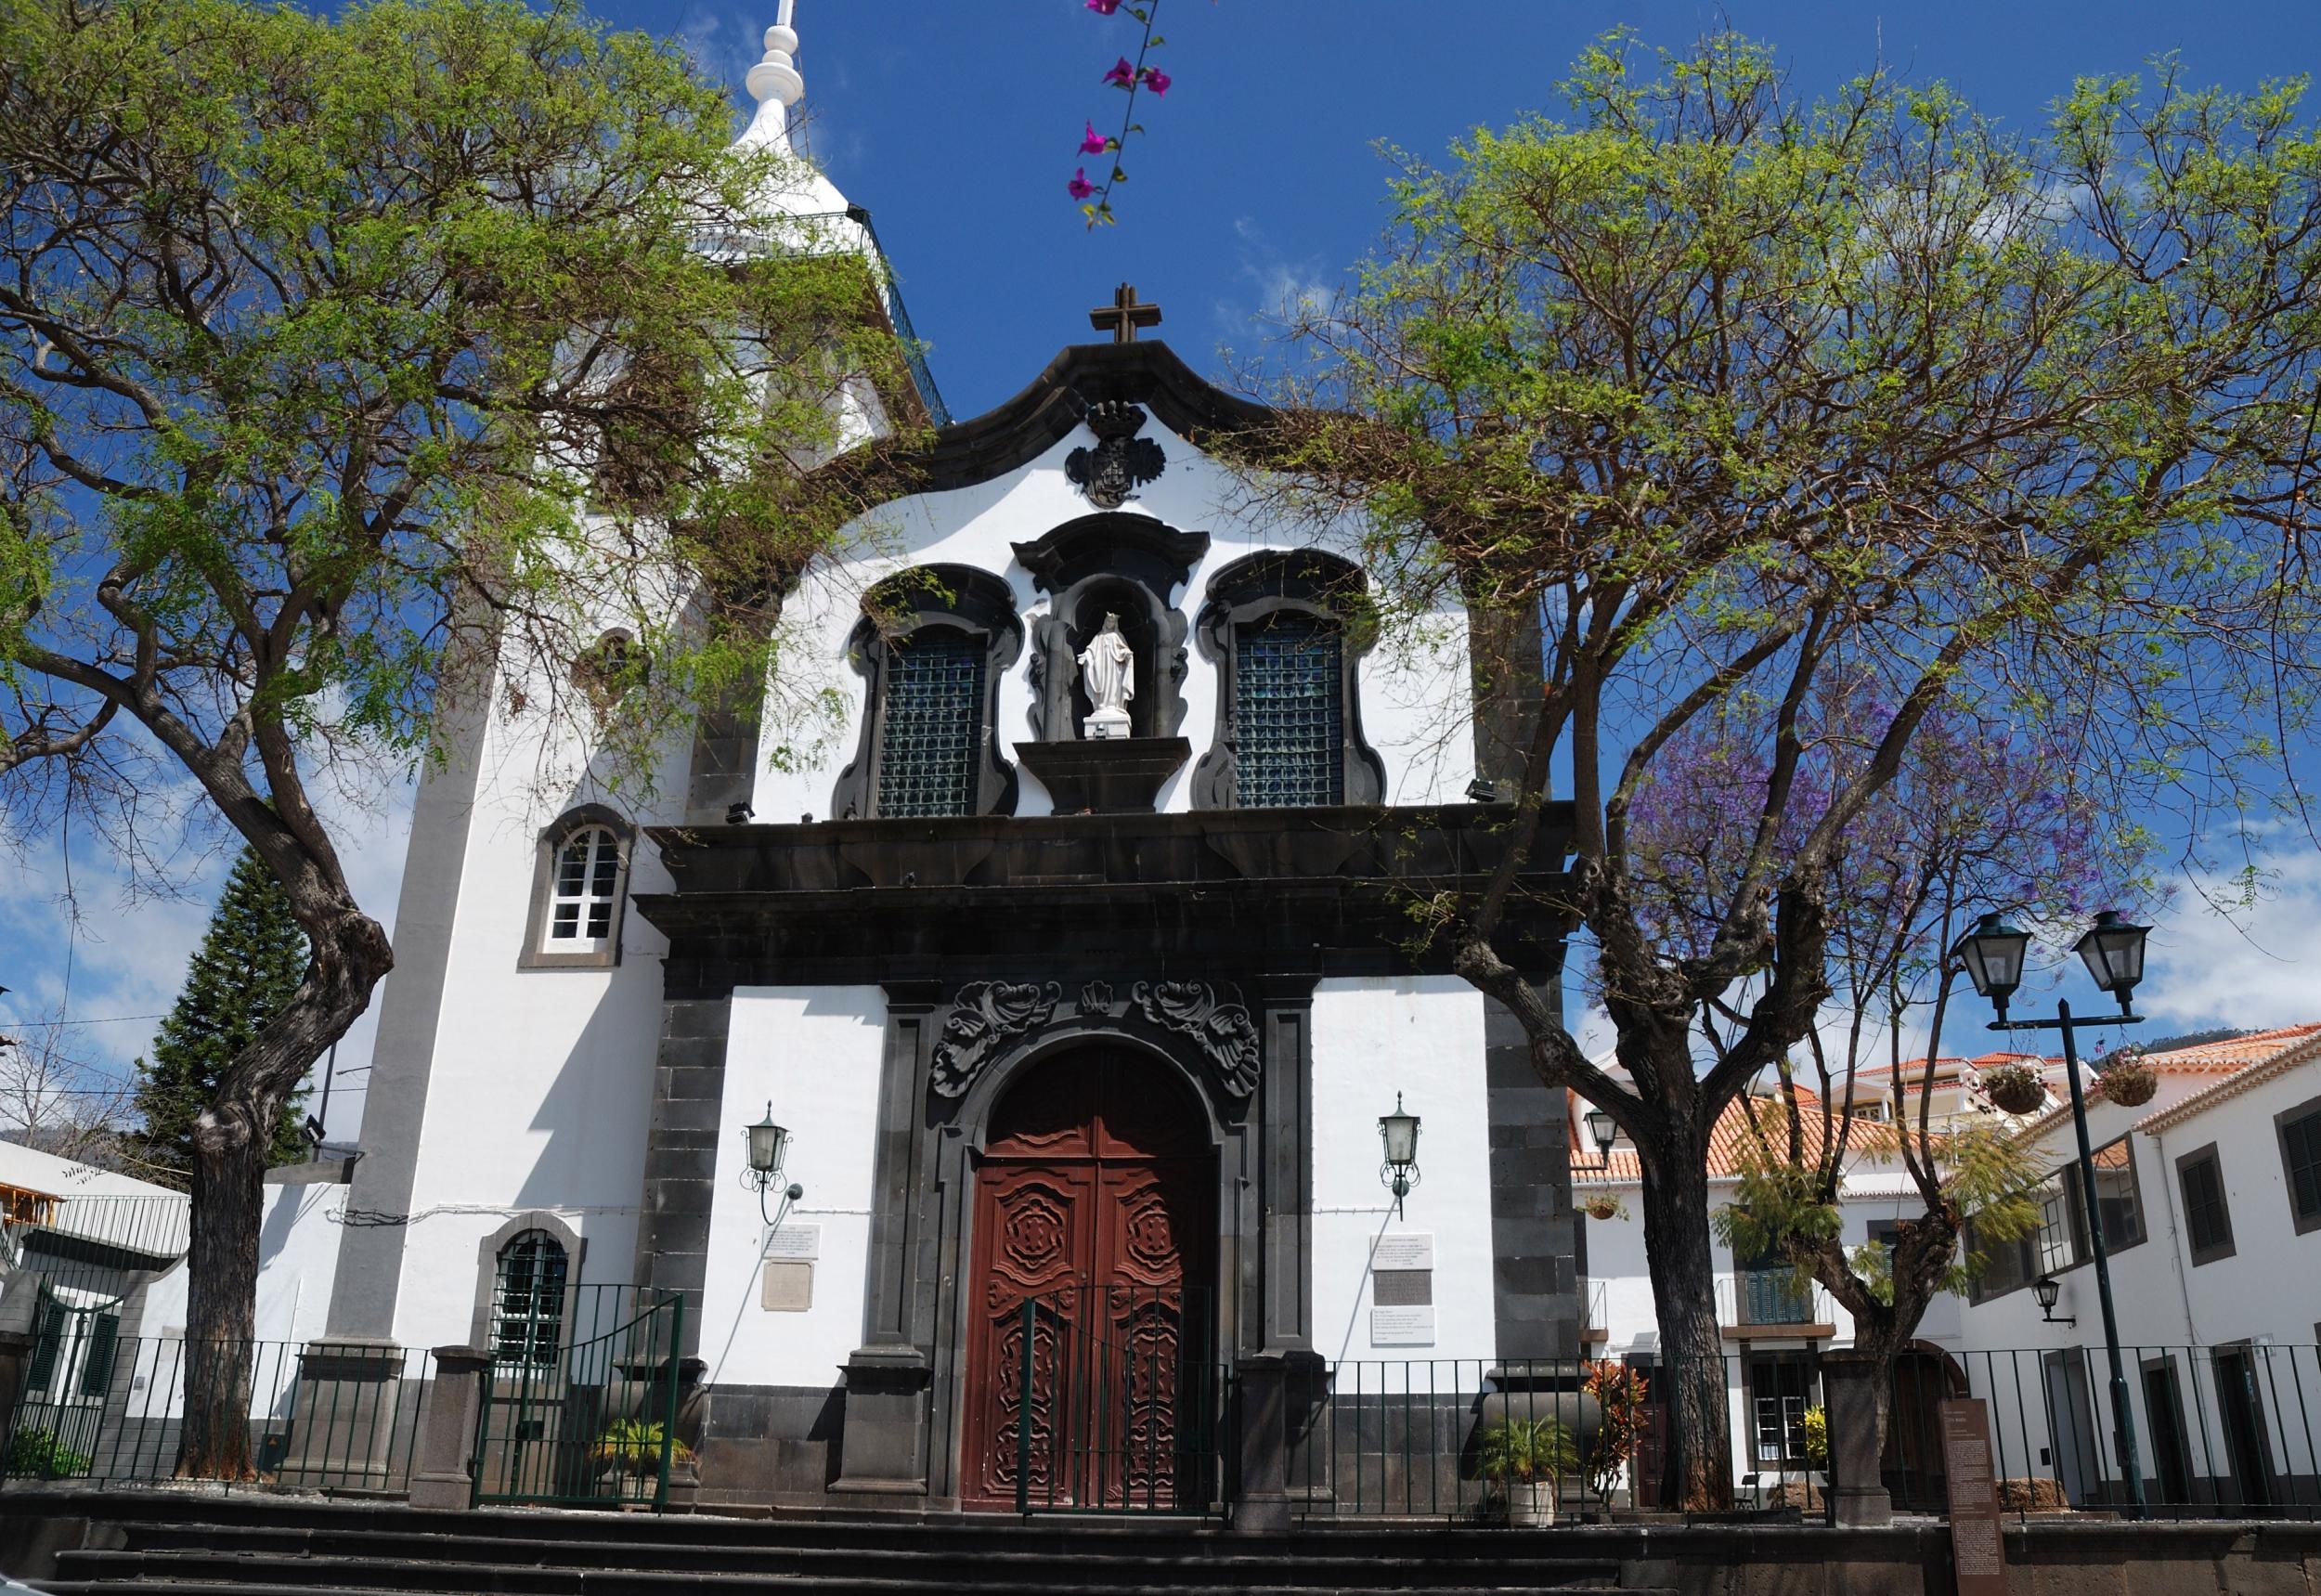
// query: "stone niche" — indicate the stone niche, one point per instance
point(1131, 566)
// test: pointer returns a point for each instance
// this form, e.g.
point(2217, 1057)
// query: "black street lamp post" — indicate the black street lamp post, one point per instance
point(2113, 951)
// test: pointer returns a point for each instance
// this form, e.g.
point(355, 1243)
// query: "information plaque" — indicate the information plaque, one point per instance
point(1977, 1548)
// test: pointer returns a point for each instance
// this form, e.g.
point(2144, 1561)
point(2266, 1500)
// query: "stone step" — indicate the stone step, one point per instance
point(1394, 1563)
point(162, 1586)
point(902, 1576)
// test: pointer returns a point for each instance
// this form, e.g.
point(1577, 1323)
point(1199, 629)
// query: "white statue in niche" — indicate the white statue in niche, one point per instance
point(1107, 669)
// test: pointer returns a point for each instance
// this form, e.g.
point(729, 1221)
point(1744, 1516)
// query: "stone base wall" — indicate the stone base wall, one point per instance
point(763, 1446)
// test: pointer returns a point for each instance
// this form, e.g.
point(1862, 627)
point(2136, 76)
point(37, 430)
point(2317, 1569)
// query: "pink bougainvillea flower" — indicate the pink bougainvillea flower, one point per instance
point(1157, 81)
point(1079, 188)
point(1123, 75)
point(1104, 8)
point(1091, 142)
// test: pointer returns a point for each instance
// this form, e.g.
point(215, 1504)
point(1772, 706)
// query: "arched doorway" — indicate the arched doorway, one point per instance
point(1094, 1225)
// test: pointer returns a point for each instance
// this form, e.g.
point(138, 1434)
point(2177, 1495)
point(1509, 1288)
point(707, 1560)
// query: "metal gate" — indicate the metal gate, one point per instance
point(1119, 1403)
point(580, 1401)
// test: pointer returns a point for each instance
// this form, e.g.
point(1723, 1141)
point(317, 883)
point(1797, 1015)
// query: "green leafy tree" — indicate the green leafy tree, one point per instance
point(242, 975)
point(1708, 397)
point(358, 374)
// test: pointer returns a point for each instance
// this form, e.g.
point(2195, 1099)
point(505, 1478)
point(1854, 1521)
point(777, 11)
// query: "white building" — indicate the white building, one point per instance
point(2210, 1196)
point(1106, 1024)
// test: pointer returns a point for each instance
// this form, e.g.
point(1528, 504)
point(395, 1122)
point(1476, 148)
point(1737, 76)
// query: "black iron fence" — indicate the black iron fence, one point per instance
point(580, 1406)
point(108, 1408)
point(1119, 1403)
point(2221, 1432)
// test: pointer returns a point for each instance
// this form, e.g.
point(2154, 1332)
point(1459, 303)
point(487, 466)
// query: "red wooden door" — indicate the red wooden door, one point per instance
point(1093, 1197)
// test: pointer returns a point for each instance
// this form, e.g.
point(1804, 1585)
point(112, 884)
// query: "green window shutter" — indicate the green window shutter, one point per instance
point(47, 1343)
point(97, 1363)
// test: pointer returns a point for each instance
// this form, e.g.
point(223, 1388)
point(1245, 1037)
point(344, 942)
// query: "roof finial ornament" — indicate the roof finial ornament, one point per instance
point(774, 83)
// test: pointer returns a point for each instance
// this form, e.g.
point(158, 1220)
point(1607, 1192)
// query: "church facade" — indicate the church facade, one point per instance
point(1077, 965)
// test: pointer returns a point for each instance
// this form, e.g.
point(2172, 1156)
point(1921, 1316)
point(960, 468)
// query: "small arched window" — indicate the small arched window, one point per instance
point(588, 874)
point(527, 1320)
point(581, 880)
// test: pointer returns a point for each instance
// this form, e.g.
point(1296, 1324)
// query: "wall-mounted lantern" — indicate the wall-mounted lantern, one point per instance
point(2045, 1291)
point(769, 1145)
point(1399, 1132)
point(1603, 1132)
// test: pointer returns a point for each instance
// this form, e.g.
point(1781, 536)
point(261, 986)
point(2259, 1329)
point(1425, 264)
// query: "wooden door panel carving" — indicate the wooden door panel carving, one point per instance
point(1086, 1202)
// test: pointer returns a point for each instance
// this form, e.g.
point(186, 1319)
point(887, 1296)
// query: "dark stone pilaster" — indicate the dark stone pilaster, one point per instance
point(681, 1152)
point(1537, 1309)
point(887, 1378)
point(1285, 1319)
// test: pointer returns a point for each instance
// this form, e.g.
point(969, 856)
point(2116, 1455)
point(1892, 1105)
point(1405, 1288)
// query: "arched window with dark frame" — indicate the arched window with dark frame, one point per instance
point(528, 1287)
point(933, 713)
point(1288, 717)
point(933, 644)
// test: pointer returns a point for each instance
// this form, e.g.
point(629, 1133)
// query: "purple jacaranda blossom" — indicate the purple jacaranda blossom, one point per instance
point(1091, 142)
point(1157, 81)
point(1079, 188)
point(1123, 75)
point(1104, 8)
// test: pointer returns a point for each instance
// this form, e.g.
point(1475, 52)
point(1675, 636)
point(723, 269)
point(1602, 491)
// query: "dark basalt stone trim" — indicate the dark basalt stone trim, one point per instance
point(962, 598)
point(1048, 408)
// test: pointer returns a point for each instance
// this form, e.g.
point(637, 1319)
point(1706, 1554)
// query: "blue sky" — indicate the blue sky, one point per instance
point(956, 124)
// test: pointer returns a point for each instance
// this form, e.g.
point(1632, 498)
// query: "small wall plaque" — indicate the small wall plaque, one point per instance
point(1402, 1288)
point(794, 1241)
point(1405, 1249)
point(787, 1287)
point(1402, 1327)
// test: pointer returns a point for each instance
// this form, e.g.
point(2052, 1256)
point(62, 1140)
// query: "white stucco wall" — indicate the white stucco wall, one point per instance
point(1421, 1036)
point(539, 1091)
point(813, 1053)
point(1415, 693)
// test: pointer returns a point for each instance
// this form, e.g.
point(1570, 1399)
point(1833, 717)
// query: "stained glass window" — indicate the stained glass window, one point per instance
point(528, 1300)
point(1288, 722)
point(588, 880)
point(927, 761)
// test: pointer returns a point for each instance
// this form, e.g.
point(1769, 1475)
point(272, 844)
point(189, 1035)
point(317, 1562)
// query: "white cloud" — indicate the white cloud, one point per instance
point(2251, 967)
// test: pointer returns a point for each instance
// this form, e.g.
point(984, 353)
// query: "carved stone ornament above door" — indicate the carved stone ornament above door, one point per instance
point(987, 1015)
point(1121, 462)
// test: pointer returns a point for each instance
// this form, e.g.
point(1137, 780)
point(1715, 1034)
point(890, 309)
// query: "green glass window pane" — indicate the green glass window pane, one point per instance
point(934, 726)
point(1287, 719)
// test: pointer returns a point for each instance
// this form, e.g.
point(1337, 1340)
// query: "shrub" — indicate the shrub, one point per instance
point(635, 1445)
point(37, 1454)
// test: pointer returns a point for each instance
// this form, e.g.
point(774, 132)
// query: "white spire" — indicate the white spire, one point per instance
point(775, 84)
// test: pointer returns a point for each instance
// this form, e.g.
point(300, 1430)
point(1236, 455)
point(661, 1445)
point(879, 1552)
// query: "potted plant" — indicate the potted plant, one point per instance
point(1527, 1458)
point(2014, 1089)
point(1621, 1394)
point(2125, 1079)
point(632, 1447)
point(1603, 1205)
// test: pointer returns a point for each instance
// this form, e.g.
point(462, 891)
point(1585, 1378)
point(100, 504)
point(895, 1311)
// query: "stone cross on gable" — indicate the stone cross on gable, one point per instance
point(1124, 315)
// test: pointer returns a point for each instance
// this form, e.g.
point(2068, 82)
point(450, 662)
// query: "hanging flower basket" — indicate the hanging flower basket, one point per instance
point(1603, 1206)
point(2128, 1082)
point(2014, 1089)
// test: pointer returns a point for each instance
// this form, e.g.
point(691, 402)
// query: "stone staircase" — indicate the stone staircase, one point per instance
point(135, 1544)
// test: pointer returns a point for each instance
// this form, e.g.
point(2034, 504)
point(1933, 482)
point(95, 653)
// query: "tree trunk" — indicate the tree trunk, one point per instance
point(1683, 1271)
point(230, 1142)
point(221, 1305)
